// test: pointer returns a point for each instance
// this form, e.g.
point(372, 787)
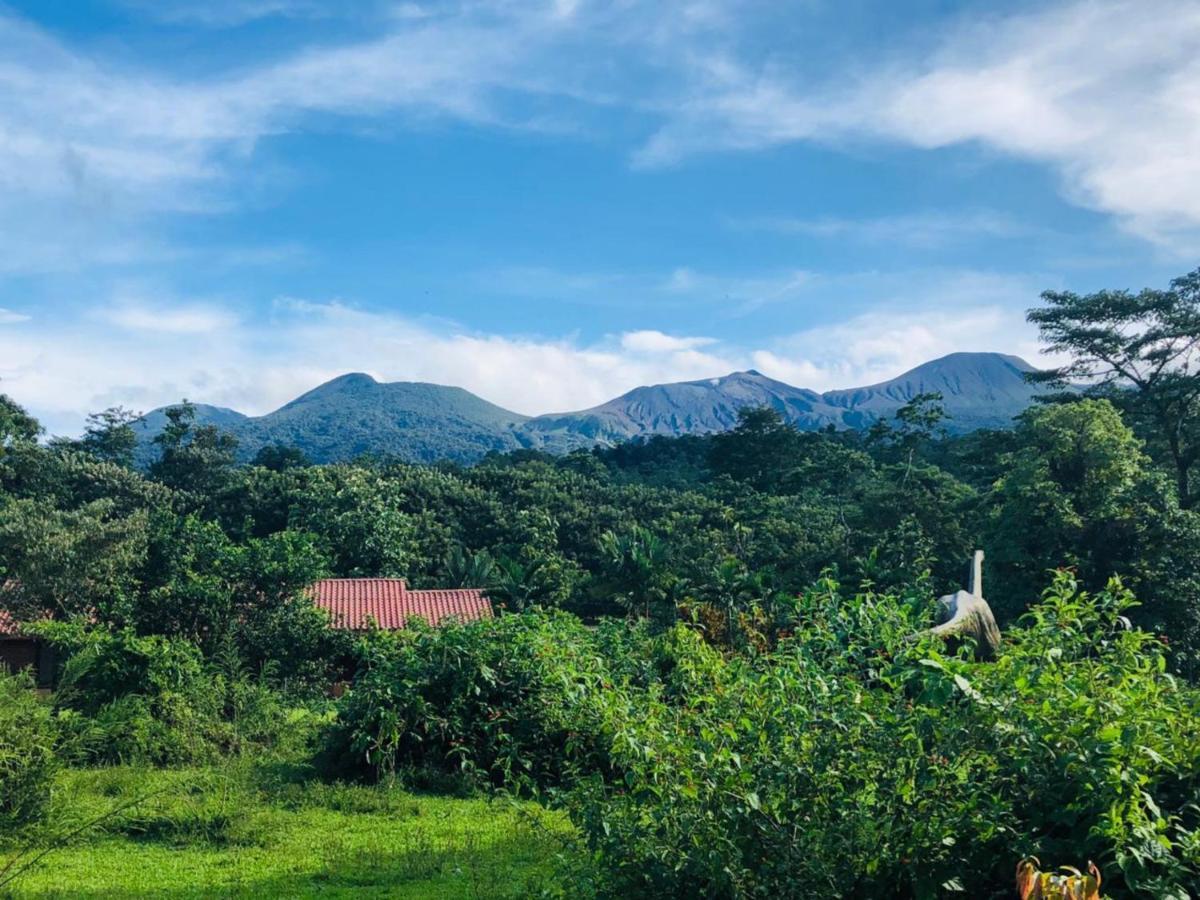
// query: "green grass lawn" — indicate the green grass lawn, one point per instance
point(251, 832)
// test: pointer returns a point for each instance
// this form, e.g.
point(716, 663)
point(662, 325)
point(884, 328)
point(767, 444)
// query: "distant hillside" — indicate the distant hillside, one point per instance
point(688, 407)
point(152, 423)
point(981, 390)
point(355, 414)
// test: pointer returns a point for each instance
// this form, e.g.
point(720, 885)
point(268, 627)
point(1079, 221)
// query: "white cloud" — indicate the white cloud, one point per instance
point(650, 341)
point(876, 346)
point(168, 319)
point(682, 279)
point(91, 148)
point(11, 317)
point(682, 287)
point(226, 13)
point(548, 282)
point(921, 230)
point(64, 368)
point(1109, 92)
point(1106, 91)
point(739, 293)
point(527, 374)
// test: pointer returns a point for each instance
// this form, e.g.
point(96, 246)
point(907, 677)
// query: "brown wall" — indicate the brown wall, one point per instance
point(18, 653)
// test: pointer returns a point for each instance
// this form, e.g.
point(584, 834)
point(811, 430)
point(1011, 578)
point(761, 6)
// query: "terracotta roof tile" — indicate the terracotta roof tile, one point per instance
point(355, 603)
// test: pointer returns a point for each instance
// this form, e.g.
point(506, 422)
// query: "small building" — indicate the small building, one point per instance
point(20, 651)
point(359, 604)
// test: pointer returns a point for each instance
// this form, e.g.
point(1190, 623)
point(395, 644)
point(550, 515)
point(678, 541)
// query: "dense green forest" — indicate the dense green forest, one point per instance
point(713, 656)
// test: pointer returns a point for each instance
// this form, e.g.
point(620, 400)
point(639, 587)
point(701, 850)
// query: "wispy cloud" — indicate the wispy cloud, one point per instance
point(876, 346)
point(182, 319)
point(105, 145)
point(227, 13)
point(739, 294)
point(145, 355)
point(650, 341)
point(683, 286)
point(11, 317)
point(1105, 91)
point(919, 230)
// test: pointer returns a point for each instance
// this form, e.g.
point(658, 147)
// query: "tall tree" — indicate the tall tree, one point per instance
point(761, 450)
point(68, 562)
point(110, 436)
point(195, 458)
point(1143, 352)
point(16, 425)
point(279, 457)
point(918, 421)
point(1077, 492)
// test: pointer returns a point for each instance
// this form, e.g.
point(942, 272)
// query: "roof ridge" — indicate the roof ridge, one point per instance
point(397, 578)
point(403, 582)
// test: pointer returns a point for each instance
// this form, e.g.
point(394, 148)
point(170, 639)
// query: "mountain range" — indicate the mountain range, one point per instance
point(355, 414)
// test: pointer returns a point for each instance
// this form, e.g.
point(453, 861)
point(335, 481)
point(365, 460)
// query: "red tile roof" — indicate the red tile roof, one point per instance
point(10, 627)
point(357, 603)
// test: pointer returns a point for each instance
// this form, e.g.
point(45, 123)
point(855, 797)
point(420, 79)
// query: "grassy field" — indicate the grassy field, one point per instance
point(254, 832)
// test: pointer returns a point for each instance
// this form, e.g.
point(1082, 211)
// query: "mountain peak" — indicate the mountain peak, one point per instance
point(975, 359)
point(740, 375)
point(979, 390)
point(350, 379)
point(355, 414)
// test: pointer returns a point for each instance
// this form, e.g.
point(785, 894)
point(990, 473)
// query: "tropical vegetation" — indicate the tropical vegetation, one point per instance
point(711, 673)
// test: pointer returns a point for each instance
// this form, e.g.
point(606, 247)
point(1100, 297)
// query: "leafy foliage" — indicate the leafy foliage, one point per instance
point(27, 758)
point(125, 698)
point(854, 762)
point(674, 661)
point(516, 701)
point(1142, 351)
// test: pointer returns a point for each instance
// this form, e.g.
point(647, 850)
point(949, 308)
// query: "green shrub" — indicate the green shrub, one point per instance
point(524, 701)
point(514, 700)
point(27, 760)
point(857, 762)
point(127, 698)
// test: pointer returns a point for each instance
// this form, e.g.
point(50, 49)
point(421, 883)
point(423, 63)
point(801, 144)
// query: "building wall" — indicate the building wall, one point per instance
point(17, 654)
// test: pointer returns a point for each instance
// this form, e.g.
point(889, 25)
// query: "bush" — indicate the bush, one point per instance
point(518, 700)
point(127, 698)
point(856, 762)
point(525, 701)
point(27, 761)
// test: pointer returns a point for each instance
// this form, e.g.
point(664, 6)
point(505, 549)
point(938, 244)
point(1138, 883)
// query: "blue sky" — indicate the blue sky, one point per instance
point(549, 202)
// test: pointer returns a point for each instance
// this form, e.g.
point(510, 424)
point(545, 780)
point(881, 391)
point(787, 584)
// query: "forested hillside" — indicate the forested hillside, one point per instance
point(355, 415)
point(746, 517)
